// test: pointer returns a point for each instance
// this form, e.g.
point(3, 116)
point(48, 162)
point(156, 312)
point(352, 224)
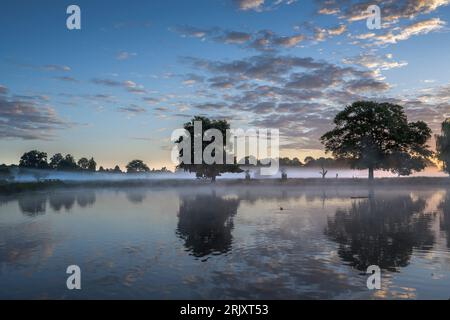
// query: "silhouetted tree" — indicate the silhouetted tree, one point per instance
point(92, 165)
point(443, 145)
point(34, 159)
point(378, 136)
point(323, 172)
point(117, 169)
point(68, 163)
point(83, 163)
point(55, 161)
point(5, 173)
point(308, 159)
point(137, 166)
point(204, 170)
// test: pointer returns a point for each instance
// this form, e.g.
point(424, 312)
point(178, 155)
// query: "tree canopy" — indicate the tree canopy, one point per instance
point(443, 145)
point(204, 170)
point(375, 135)
point(137, 166)
point(34, 160)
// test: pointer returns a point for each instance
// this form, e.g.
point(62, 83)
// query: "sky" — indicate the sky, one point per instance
point(137, 70)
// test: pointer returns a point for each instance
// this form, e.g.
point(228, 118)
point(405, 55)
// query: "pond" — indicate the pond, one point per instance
point(226, 243)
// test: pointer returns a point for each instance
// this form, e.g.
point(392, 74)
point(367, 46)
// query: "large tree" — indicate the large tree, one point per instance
point(443, 145)
point(137, 166)
point(375, 136)
point(203, 169)
point(34, 159)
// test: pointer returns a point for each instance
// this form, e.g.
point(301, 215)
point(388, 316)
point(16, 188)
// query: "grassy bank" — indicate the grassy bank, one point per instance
point(10, 188)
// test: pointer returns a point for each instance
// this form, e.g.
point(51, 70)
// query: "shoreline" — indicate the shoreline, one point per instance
point(18, 187)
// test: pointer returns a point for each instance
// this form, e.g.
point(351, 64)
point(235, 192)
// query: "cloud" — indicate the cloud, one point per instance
point(128, 85)
point(375, 62)
point(289, 41)
point(418, 28)
point(249, 4)
point(235, 37)
point(263, 40)
point(291, 93)
point(67, 79)
point(3, 89)
point(321, 34)
point(28, 120)
point(133, 110)
point(124, 55)
point(260, 5)
point(192, 32)
point(391, 10)
point(55, 67)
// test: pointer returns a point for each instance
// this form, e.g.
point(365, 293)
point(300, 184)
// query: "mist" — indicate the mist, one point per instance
point(33, 175)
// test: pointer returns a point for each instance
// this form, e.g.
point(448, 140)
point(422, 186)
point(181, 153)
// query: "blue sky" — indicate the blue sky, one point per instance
point(137, 70)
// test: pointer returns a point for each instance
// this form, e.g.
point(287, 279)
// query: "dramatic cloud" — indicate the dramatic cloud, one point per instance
point(290, 93)
point(28, 120)
point(391, 10)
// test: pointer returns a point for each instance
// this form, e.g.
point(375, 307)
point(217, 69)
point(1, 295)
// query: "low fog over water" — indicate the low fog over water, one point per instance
point(29, 175)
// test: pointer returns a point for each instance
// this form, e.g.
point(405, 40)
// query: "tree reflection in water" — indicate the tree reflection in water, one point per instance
point(205, 223)
point(35, 204)
point(445, 216)
point(381, 231)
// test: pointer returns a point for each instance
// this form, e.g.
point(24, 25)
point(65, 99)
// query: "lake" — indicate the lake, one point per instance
point(226, 243)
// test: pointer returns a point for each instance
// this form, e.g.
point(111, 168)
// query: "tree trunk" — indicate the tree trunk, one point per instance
point(213, 179)
point(370, 173)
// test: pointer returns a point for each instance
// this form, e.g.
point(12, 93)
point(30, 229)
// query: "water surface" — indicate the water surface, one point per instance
point(203, 243)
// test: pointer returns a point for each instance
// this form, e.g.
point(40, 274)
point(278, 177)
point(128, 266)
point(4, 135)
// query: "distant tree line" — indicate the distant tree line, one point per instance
point(38, 161)
point(308, 162)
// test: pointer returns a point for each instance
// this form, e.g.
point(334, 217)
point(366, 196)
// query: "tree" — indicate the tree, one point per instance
point(443, 145)
point(68, 163)
point(373, 135)
point(55, 161)
point(137, 166)
point(309, 159)
point(5, 173)
point(83, 163)
point(204, 170)
point(323, 172)
point(117, 169)
point(92, 165)
point(34, 159)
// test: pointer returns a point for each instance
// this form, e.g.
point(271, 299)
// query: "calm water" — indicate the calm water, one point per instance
point(226, 243)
